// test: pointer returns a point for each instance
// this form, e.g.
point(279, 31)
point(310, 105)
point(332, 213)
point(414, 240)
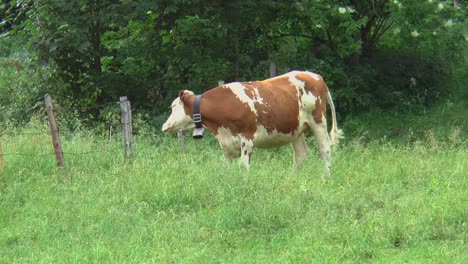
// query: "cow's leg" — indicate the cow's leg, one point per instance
point(246, 152)
point(324, 144)
point(300, 151)
point(229, 155)
point(230, 150)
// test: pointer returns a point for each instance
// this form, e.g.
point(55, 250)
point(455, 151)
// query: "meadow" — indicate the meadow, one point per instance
point(394, 197)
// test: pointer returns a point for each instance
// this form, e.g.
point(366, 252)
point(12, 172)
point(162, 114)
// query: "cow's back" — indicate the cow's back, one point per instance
point(272, 112)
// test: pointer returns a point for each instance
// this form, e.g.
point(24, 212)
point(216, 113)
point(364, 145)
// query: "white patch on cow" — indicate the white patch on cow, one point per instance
point(264, 139)
point(300, 89)
point(239, 90)
point(229, 142)
point(300, 85)
point(308, 102)
point(246, 151)
point(257, 98)
point(178, 120)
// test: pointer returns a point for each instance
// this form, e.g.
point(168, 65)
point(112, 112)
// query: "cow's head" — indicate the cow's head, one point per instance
point(179, 120)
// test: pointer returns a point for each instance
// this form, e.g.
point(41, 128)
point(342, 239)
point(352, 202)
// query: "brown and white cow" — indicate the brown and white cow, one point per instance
point(264, 114)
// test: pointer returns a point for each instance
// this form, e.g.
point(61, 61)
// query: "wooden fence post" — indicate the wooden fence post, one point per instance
point(54, 131)
point(1, 153)
point(180, 137)
point(126, 122)
point(272, 69)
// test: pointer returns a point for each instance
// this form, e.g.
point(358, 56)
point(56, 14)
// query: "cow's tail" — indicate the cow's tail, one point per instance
point(335, 134)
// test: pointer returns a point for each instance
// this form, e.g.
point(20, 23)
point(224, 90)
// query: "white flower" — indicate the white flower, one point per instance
point(396, 30)
point(415, 34)
point(397, 3)
point(434, 33)
point(350, 9)
point(448, 23)
point(430, 1)
point(440, 6)
point(466, 38)
point(342, 10)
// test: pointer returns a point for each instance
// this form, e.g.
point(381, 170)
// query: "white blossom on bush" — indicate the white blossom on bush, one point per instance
point(448, 23)
point(350, 9)
point(397, 3)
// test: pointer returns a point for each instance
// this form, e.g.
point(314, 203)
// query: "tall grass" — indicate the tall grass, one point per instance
point(386, 203)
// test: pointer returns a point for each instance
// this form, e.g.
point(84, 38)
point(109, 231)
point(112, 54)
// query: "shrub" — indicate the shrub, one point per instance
point(404, 79)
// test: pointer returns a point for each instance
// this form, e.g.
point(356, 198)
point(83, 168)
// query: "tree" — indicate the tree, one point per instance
point(148, 50)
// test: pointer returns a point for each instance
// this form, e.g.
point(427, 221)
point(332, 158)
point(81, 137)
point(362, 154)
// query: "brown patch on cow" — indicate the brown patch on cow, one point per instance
point(316, 87)
point(319, 89)
point(248, 135)
point(188, 99)
point(221, 108)
point(278, 109)
point(249, 92)
point(300, 95)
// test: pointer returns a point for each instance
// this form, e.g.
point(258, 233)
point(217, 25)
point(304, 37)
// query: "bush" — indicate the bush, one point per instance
point(404, 79)
point(390, 80)
point(21, 86)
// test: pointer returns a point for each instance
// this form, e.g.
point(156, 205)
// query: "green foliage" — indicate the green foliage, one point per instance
point(23, 83)
point(405, 80)
point(147, 50)
point(68, 34)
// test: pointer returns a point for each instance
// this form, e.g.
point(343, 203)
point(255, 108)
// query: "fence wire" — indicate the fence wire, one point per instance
point(57, 109)
point(53, 153)
point(28, 155)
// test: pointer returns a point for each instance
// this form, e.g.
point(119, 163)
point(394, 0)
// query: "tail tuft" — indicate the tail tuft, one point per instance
point(335, 136)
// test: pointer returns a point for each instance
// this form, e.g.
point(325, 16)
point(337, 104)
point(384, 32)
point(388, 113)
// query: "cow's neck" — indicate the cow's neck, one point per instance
point(188, 101)
point(192, 107)
point(207, 115)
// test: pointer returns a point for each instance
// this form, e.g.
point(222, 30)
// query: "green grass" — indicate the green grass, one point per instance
point(389, 201)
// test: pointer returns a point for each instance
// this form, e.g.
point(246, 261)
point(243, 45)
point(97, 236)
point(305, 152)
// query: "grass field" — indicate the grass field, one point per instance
point(388, 201)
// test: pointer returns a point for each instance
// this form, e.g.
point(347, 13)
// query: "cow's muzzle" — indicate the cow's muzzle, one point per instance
point(165, 128)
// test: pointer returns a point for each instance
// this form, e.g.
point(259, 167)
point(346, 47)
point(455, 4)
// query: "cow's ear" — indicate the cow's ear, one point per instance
point(182, 96)
point(181, 93)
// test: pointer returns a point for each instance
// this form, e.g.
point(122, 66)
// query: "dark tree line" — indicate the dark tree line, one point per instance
point(371, 52)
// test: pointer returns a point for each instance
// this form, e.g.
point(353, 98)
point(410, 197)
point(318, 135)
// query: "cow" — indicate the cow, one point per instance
point(265, 114)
